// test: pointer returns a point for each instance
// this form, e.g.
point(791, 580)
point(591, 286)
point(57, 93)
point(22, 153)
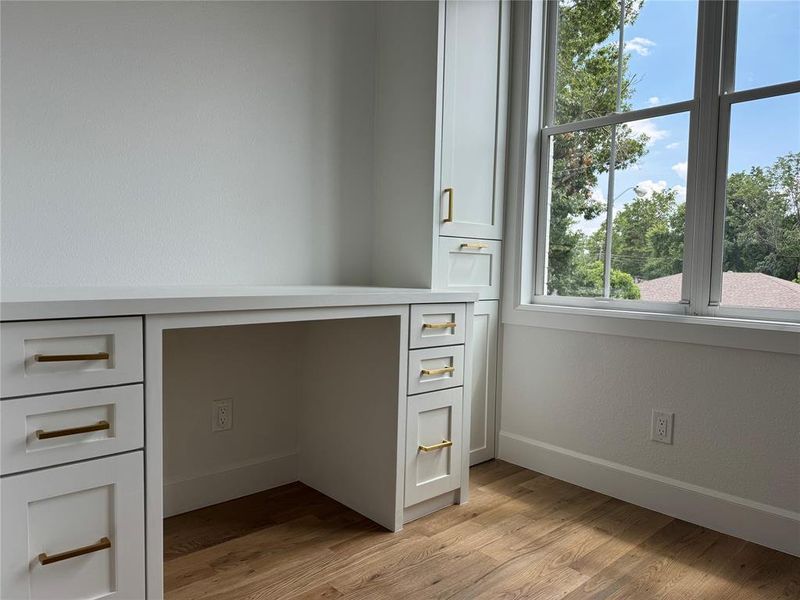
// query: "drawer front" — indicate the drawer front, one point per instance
point(39, 357)
point(433, 445)
point(431, 369)
point(436, 325)
point(75, 531)
point(43, 431)
point(469, 265)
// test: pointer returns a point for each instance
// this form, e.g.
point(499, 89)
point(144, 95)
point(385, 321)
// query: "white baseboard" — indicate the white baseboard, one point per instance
point(763, 524)
point(190, 493)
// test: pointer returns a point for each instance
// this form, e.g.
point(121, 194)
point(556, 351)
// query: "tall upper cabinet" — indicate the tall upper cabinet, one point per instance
point(440, 141)
point(473, 118)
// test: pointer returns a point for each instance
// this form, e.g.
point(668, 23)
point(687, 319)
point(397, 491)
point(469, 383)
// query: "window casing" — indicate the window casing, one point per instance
point(709, 113)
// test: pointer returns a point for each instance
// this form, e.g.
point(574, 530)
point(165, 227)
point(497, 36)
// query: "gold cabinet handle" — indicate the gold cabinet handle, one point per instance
point(475, 246)
point(439, 446)
point(448, 325)
point(46, 435)
point(450, 193)
point(103, 544)
point(69, 357)
point(441, 371)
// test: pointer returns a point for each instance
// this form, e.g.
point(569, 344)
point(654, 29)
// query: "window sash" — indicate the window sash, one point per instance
point(709, 129)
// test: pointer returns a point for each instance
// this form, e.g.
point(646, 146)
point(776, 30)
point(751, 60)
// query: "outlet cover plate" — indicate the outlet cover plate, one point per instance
point(661, 426)
point(222, 414)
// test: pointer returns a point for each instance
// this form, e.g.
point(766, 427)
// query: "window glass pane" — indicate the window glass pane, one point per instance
point(761, 252)
point(586, 59)
point(767, 43)
point(578, 175)
point(650, 207)
point(658, 56)
point(660, 42)
point(648, 210)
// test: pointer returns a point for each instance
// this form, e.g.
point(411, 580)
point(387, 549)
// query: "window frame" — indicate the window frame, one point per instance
point(709, 129)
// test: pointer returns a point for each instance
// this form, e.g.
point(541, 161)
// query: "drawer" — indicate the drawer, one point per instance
point(43, 431)
point(436, 325)
point(431, 369)
point(39, 357)
point(469, 265)
point(75, 531)
point(433, 445)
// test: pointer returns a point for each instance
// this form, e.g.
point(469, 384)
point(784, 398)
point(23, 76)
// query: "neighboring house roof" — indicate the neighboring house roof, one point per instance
point(738, 289)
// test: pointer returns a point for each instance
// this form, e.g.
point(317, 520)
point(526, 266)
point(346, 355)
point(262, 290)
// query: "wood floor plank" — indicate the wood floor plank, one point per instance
point(522, 535)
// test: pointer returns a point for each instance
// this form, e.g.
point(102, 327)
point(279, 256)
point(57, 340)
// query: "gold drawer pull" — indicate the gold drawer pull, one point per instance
point(46, 435)
point(449, 192)
point(441, 371)
point(103, 544)
point(69, 357)
point(449, 325)
point(443, 444)
point(475, 246)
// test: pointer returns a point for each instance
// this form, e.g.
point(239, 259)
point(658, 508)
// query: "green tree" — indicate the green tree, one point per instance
point(648, 236)
point(588, 279)
point(762, 219)
point(586, 83)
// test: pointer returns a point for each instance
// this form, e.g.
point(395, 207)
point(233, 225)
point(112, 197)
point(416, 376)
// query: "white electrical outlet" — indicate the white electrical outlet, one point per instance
point(222, 414)
point(661, 429)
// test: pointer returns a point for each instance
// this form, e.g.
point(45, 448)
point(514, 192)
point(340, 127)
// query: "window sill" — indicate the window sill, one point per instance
point(766, 336)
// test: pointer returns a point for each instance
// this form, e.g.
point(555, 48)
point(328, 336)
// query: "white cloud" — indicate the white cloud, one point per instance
point(680, 190)
point(653, 100)
point(680, 169)
point(648, 186)
point(649, 128)
point(640, 45)
point(672, 145)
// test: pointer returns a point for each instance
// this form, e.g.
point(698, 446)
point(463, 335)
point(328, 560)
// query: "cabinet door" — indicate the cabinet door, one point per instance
point(433, 445)
point(484, 382)
point(473, 120)
point(74, 532)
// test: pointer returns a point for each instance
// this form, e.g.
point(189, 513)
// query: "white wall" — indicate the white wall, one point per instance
point(569, 395)
point(186, 142)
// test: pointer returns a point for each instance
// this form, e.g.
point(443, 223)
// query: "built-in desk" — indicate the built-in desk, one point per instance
point(383, 427)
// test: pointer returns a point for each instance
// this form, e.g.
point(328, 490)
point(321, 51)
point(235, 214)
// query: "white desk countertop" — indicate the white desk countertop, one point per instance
point(59, 303)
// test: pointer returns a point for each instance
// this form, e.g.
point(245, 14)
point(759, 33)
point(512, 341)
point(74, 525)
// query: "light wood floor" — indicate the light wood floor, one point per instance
point(522, 535)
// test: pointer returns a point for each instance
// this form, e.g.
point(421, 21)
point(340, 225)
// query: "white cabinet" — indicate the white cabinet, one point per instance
point(482, 391)
point(74, 532)
point(433, 446)
point(474, 118)
point(440, 141)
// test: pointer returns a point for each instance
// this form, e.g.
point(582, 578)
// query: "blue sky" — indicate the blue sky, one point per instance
point(661, 45)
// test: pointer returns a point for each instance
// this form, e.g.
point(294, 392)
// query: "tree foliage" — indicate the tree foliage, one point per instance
point(762, 219)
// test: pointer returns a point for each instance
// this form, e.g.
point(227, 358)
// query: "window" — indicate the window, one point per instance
point(670, 157)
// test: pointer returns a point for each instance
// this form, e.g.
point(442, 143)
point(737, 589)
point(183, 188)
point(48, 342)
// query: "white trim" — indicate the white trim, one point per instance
point(757, 522)
point(764, 336)
point(248, 477)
